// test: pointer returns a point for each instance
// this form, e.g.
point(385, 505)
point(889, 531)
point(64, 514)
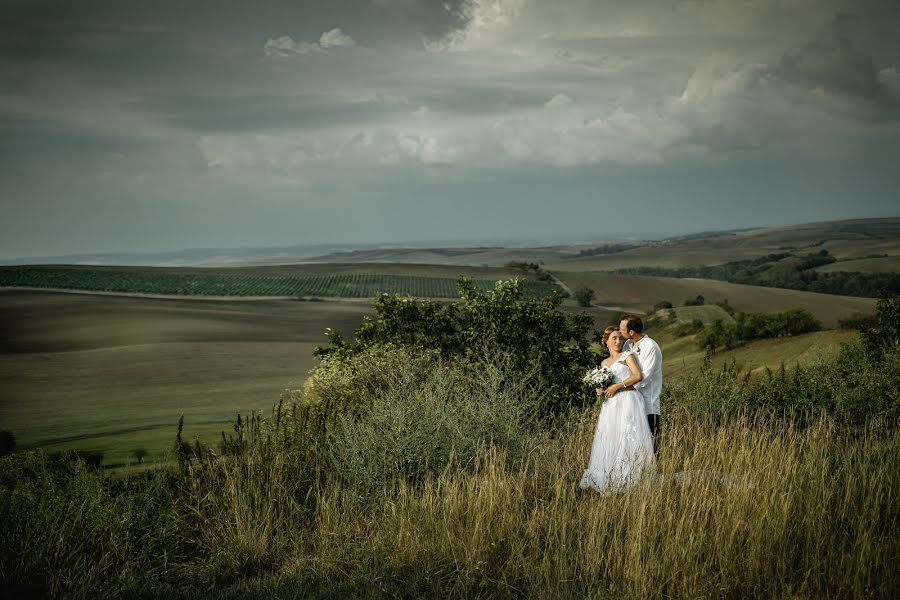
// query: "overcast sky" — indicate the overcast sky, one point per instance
point(129, 126)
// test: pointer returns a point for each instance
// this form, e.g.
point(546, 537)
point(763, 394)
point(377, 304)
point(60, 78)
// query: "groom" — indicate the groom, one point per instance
point(650, 359)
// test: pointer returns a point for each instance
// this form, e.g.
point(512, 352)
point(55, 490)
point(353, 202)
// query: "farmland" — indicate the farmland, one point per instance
point(114, 374)
point(880, 264)
point(640, 293)
point(843, 239)
point(218, 283)
point(96, 370)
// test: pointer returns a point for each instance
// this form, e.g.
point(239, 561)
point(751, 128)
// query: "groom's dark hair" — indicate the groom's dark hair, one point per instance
point(633, 323)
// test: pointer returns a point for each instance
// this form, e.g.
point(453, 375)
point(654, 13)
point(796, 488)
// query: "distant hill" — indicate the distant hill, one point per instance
point(641, 293)
point(845, 240)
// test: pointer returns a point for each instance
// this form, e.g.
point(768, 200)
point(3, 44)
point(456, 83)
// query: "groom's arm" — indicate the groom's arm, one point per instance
point(649, 365)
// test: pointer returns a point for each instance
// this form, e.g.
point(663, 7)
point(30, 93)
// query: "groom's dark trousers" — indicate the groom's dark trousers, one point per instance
point(653, 421)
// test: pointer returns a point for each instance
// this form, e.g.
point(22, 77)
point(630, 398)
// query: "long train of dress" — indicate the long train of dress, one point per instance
point(623, 447)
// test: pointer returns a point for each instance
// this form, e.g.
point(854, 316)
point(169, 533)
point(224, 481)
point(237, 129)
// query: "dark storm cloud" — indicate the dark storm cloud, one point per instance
point(433, 18)
point(832, 62)
point(231, 111)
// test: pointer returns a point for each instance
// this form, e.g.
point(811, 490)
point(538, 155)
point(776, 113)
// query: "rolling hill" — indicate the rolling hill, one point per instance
point(639, 293)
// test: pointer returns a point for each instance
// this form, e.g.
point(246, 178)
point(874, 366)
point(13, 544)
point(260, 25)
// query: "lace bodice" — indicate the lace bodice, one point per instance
point(620, 370)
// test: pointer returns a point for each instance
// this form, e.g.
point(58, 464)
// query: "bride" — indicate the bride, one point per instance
point(622, 447)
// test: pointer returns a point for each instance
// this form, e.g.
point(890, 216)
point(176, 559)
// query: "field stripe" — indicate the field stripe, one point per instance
point(344, 285)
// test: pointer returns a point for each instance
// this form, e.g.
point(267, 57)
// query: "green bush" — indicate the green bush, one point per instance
point(691, 328)
point(699, 300)
point(428, 415)
point(861, 384)
point(584, 296)
point(530, 334)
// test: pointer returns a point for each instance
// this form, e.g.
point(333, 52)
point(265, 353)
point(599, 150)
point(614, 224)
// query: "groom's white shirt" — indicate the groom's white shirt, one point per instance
point(650, 358)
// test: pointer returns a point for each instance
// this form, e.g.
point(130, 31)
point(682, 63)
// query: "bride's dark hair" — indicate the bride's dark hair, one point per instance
point(606, 332)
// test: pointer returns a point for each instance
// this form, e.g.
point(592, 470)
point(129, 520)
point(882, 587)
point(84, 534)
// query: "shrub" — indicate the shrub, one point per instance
point(699, 300)
point(661, 305)
point(757, 326)
point(689, 328)
point(429, 415)
point(584, 296)
point(529, 333)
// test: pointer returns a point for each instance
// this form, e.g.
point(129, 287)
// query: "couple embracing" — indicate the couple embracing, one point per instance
point(625, 441)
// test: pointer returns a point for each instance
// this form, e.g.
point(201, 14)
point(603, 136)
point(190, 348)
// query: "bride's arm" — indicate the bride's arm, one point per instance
point(629, 382)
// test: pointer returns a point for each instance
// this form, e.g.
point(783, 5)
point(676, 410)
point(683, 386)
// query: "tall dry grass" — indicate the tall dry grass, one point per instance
point(436, 480)
point(752, 510)
point(443, 486)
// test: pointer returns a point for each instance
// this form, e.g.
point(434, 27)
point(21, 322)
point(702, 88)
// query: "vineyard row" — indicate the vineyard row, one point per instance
point(355, 285)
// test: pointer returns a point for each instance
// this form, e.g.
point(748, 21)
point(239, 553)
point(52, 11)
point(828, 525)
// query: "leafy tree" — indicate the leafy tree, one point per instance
point(662, 304)
point(139, 454)
point(884, 334)
point(584, 295)
point(530, 333)
point(698, 301)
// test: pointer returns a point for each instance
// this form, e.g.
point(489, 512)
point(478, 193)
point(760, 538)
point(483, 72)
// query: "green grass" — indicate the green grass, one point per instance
point(112, 373)
point(682, 356)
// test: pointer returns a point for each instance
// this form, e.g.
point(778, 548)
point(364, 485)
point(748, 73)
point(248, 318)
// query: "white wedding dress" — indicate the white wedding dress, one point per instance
point(623, 446)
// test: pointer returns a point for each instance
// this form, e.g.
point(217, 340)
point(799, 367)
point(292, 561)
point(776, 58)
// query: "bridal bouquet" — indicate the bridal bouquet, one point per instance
point(598, 377)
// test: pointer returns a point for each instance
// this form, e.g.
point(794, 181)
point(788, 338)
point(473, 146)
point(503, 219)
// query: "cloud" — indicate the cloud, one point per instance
point(559, 101)
point(482, 21)
point(285, 47)
point(334, 38)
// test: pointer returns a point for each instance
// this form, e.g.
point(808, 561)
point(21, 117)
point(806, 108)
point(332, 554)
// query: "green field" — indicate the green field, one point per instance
point(115, 373)
point(218, 283)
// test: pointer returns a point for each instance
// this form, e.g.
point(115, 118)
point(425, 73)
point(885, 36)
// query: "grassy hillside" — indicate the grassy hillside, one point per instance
point(641, 293)
point(396, 496)
point(681, 355)
point(882, 264)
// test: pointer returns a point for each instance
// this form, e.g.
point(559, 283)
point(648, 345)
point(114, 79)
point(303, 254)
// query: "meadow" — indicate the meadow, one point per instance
point(112, 374)
point(447, 487)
